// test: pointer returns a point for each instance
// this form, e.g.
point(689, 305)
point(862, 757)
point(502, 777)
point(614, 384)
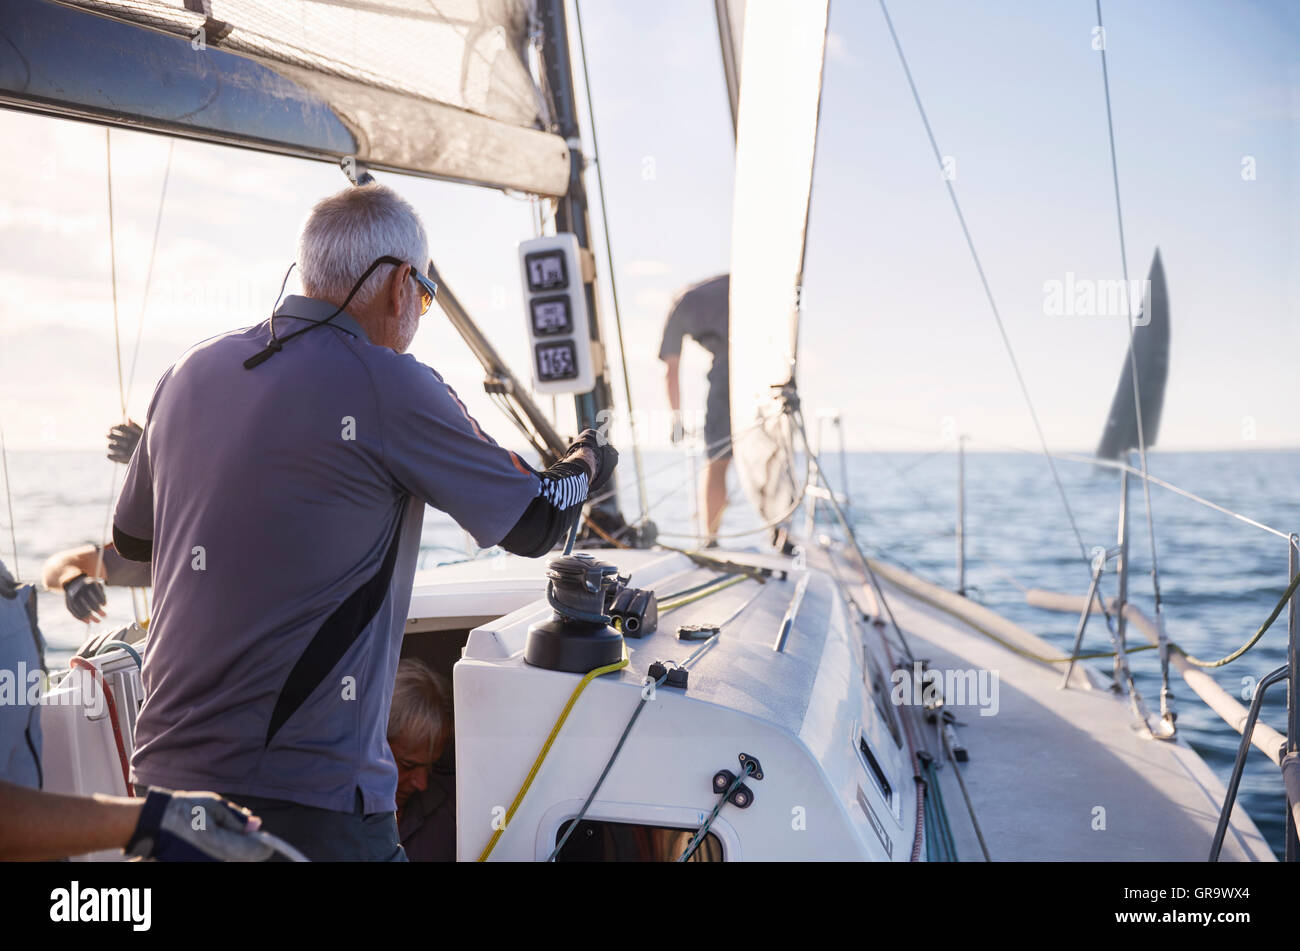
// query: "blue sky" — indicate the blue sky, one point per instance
point(896, 334)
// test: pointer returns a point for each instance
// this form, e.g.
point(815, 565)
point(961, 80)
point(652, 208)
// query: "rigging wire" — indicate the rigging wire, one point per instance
point(609, 764)
point(1166, 695)
point(546, 749)
point(609, 257)
point(988, 292)
point(1111, 625)
point(632, 721)
point(9, 498)
point(1115, 464)
point(900, 472)
point(1154, 480)
point(703, 830)
point(815, 462)
point(112, 256)
point(965, 795)
point(148, 277)
point(608, 493)
point(106, 536)
point(772, 523)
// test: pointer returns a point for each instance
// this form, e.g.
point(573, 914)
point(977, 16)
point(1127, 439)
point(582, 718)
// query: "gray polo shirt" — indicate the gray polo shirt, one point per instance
point(700, 311)
point(22, 661)
point(285, 505)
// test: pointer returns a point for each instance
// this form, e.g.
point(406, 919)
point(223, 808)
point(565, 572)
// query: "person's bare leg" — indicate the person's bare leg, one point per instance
point(715, 495)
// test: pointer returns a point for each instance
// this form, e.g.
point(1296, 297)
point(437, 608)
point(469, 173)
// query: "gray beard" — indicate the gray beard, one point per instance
point(406, 329)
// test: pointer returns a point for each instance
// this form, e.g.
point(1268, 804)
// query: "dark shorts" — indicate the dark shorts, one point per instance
point(717, 411)
point(324, 835)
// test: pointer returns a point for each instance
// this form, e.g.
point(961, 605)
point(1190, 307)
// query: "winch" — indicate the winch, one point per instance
point(578, 637)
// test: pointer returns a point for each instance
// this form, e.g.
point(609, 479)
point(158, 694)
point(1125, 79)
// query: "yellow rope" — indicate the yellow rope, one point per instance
point(666, 606)
point(546, 748)
point(1277, 609)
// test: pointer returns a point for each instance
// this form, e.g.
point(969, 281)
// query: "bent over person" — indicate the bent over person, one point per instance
point(701, 313)
point(279, 490)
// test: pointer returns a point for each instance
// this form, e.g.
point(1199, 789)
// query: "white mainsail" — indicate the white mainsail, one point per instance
point(776, 141)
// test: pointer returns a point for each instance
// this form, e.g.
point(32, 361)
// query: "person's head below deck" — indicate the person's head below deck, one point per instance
point(344, 235)
point(419, 734)
point(419, 726)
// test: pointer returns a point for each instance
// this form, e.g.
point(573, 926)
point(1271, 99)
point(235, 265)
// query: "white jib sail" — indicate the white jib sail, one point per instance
point(776, 140)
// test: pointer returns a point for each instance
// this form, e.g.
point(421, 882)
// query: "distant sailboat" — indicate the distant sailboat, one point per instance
point(1150, 352)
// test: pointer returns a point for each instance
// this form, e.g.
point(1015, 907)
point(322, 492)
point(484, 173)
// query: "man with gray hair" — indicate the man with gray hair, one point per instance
point(419, 728)
point(279, 489)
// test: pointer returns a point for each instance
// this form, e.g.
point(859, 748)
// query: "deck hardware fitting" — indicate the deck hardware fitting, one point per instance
point(696, 632)
point(752, 761)
point(671, 676)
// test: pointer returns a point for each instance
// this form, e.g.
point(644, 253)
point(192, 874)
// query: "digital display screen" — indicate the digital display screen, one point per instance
point(557, 361)
point(551, 316)
point(546, 270)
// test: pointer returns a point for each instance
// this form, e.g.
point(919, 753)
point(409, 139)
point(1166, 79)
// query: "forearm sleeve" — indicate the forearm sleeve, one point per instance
point(561, 494)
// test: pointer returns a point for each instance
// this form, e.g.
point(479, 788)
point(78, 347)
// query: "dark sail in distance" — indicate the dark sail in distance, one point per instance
point(1150, 347)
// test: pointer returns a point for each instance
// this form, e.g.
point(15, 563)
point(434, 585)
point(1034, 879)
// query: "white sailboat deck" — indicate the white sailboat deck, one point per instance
point(1040, 769)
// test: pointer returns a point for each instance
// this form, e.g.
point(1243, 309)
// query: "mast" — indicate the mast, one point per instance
point(571, 215)
point(731, 16)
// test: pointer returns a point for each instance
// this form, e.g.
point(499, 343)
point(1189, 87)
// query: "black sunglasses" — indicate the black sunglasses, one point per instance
point(428, 289)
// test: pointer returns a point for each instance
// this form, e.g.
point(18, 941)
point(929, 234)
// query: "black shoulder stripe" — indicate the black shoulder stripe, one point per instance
point(132, 548)
point(335, 637)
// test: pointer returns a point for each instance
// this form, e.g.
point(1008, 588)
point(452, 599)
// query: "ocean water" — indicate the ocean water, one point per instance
point(1219, 577)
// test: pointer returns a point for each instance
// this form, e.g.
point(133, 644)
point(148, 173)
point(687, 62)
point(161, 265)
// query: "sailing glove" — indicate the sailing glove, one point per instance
point(122, 440)
point(196, 827)
point(606, 456)
point(85, 598)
